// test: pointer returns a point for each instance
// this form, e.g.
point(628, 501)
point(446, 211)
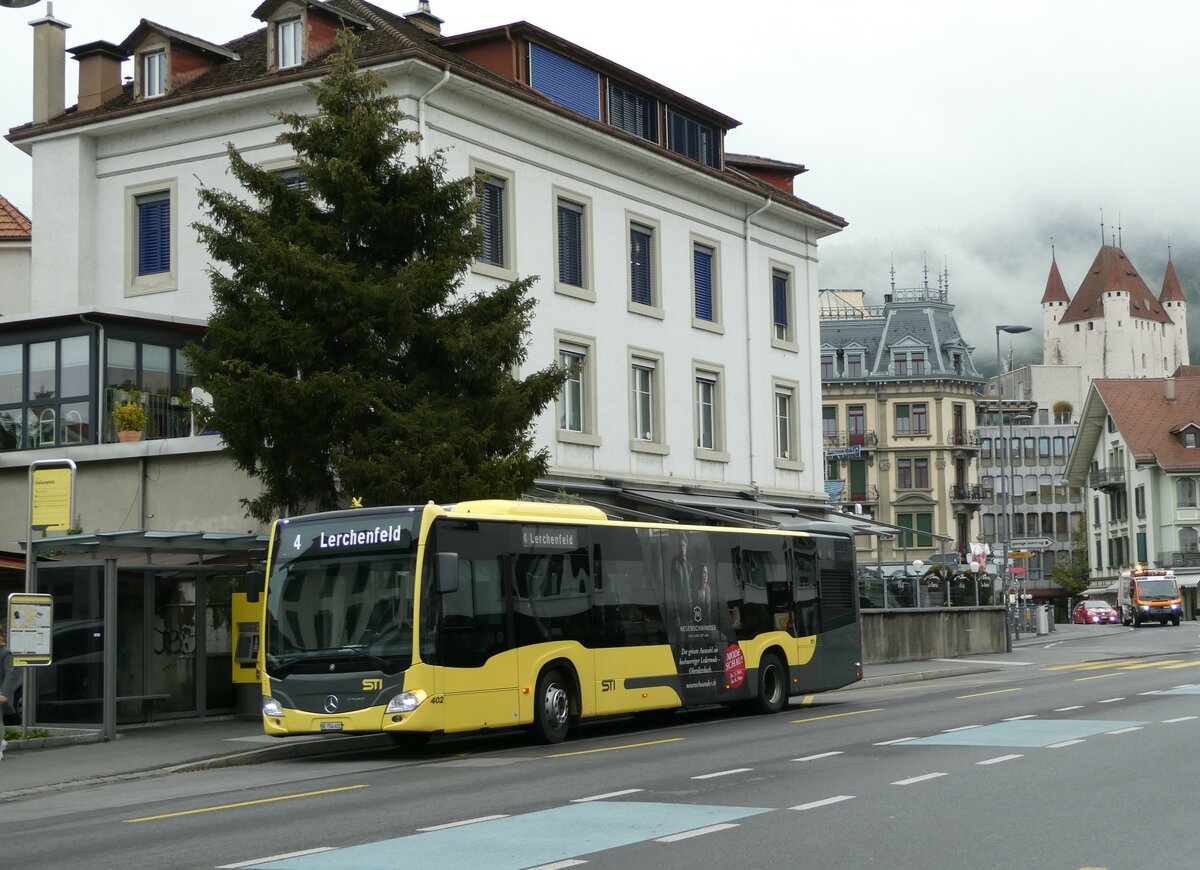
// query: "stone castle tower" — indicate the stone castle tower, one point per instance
point(1115, 327)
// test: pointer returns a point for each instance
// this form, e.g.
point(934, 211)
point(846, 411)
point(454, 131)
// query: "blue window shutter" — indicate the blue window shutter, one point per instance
point(491, 217)
point(640, 261)
point(570, 245)
point(780, 300)
point(154, 234)
point(568, 83)
point(632, 111)
point(702, 266)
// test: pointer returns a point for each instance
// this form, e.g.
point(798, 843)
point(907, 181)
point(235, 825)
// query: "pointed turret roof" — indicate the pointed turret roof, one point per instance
point(1171, 291)
point(1056, 291)
point(1111, 270)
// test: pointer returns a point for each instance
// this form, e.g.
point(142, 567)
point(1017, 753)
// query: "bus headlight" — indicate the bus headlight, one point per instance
point(271, 707)
point(406, 702)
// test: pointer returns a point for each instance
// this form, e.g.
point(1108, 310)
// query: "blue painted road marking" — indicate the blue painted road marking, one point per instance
point(524, 841)
point(1026, 732)
point(1182, 690)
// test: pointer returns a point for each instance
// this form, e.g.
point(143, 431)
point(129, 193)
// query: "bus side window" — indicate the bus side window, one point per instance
point(804, 587)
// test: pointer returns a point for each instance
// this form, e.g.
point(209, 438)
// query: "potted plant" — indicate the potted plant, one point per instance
point(130, 418)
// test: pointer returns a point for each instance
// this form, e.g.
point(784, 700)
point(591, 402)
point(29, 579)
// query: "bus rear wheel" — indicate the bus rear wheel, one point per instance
point(772, 685)
point(552, 707)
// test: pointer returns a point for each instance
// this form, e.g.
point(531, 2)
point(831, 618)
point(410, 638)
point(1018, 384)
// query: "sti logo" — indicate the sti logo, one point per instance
point(608, 685)
point(373, 685)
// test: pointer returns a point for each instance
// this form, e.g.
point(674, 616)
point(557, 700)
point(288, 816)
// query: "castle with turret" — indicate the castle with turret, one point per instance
point(1115, 327)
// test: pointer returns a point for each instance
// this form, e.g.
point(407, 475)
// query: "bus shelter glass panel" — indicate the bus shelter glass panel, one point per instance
point(71, 689)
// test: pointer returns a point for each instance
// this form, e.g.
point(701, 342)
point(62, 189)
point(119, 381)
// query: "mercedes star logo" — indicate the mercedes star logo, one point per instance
point(331, 704)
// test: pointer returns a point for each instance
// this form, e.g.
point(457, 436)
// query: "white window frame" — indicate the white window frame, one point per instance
point(787, 455)
point(506, 270)
point(583, 204)
point(289, 30)
point(640, 361)
point(156, 85)
point(783, 338)
point(655, 308)
point(708, 411)
point(583, 347)
point(716, 324)
point(158, 282)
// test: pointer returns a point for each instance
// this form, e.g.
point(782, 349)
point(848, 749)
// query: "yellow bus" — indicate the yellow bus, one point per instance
point(423, 620)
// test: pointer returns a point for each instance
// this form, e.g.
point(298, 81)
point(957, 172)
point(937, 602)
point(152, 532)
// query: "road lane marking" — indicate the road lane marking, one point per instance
point(807, 701)
point(959, 728)
point(993, 692)
point(1125, 730)
point(270, 858)
point(1181, 666)
point(1097, 677)
point(915, 779)
point(836, 715)
point(687, 835)
point(820, 755)
point(1179, 719)
point(617, 748)
point(823, 803)
point(560, 865)
point(1064, 744)
point(999, 758)
point(461, 823)
point(285, 797)
point(1019, 718)
point(604, 797)
point(723, 773)
point(1159, 664)
point(1151, 692)
point(1065, 709)
point(1110, 700)
point(1094, 666)
point(897, 740)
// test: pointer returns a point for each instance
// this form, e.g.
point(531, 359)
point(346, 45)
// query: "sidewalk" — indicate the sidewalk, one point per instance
point(197, 744)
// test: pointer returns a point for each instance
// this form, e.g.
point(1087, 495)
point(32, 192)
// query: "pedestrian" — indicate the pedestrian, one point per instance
point(8, 688)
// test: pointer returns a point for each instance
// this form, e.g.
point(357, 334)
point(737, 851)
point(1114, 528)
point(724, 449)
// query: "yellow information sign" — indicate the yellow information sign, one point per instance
point(1020, 554)
point(30, 628)
point(51, 508)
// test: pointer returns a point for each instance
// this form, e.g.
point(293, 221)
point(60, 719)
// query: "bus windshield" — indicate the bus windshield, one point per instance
point(1156, 587)
point(340, 600)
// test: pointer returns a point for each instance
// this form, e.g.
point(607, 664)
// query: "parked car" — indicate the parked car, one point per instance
point(1089, 612)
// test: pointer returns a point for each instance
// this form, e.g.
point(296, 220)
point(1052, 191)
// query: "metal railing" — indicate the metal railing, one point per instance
point(166, 416)
point(867, 494)
point(1106, 478)
point(971, 492)
point(851, 439)
point(1179, 559)
point(963, 437)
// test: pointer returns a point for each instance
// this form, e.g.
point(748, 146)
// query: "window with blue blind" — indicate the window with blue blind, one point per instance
point(570, 84)
point(632, 111)
point(154, 233)
point(691, 138)
point(570, 243)
point(779, 304)
point(702, 267)
point(490, 218)
point(641, 272)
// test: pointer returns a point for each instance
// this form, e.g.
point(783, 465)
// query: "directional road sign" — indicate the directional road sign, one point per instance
point(1031, 543)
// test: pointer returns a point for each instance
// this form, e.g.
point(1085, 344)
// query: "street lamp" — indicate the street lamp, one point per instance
point(1006, 478)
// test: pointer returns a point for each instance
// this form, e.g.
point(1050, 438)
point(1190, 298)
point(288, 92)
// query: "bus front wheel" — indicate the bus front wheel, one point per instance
point(552, 707)
point(772, 685)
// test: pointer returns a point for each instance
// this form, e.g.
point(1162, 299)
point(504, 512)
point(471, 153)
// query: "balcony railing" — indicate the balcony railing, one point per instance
point(1179, 559)
point(963, 438)
point(865, 440)
point(1112, 477)
point(166, 416)
point(867, 494)
point(970, 493)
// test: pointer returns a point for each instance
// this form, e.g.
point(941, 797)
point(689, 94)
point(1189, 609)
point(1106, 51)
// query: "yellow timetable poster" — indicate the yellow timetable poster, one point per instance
point(30, 628)
point(51, 508)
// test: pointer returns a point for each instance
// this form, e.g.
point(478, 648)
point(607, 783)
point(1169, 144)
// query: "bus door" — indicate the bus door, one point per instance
point(474, 642)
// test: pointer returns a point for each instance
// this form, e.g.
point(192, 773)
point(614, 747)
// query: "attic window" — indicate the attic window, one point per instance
point(154, 74)
point(290, 47)
point(691, 137)
point(566, 82)
point(1189, 437)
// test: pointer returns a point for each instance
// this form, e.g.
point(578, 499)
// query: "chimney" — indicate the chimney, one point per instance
point(1169, 389)
point(99, 73)
point(49, 66)
point(425, 19)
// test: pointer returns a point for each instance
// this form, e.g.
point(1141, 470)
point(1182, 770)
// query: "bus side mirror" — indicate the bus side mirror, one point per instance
point(447, 572)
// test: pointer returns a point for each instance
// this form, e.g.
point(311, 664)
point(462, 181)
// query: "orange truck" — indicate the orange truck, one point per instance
point(1145, 594)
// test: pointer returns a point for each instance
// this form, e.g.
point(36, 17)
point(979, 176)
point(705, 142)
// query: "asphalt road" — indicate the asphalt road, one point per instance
point(1078, 755)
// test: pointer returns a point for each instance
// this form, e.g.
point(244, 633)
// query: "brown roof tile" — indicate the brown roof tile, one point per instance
point(14, 226)
point(1111, 270)
point(1171, 291)
point(1056, 291)
point(1146, 418)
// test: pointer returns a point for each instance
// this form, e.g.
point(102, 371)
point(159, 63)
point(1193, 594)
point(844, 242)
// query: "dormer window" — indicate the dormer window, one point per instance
point(154, 74)
point(290, 44)
point(908, 363)
point(854, 365)
point(692, 138)
point(1188, 435)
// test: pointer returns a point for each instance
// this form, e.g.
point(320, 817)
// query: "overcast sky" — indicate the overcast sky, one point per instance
point(959, 133)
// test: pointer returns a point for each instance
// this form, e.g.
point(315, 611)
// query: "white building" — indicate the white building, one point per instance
point(15, 240)
point(683, 277)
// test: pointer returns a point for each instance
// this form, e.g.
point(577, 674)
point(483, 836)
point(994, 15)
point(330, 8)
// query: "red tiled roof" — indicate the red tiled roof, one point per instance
point(1111, 270)
point(14, 226)
point(1056, 291)
point(1146, 418)
point(1171, 291)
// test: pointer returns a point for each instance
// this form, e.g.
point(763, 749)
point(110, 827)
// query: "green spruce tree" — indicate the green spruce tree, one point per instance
point(341, 356)
point(1073, 576)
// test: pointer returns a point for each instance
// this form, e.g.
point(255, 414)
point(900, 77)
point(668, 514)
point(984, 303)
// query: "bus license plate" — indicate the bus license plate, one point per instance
point(331, 726)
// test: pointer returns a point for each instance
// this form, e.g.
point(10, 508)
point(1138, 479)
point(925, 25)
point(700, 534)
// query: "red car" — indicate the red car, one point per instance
point(1087, 612)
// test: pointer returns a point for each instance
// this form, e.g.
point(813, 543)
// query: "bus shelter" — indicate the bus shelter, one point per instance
point(143, 625)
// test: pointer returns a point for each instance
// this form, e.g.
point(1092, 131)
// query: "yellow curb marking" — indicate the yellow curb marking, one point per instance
point(616, 748)
point(286, 797)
